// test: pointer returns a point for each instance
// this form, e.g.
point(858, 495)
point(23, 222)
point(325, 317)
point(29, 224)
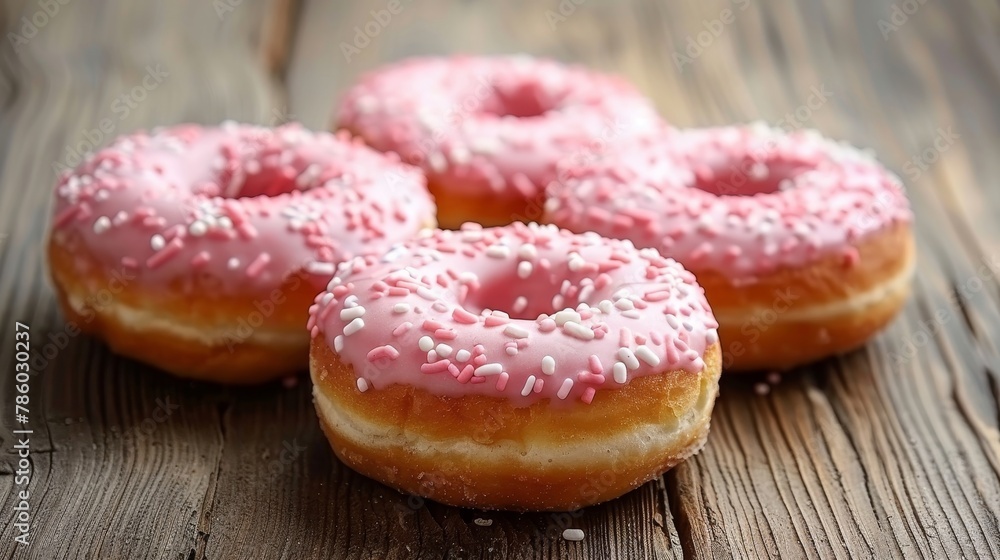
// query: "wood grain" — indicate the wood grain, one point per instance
point(892, 451)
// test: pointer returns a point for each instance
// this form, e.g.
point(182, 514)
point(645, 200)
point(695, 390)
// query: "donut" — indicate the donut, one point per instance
point(489, 132)
point(803, 245)
point(199, 250)
point(520, 367)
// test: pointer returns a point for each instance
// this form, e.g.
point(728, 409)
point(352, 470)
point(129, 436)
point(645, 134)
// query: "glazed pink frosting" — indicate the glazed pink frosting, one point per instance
point(739, 200)
point(524, 312)
point(493, 125)
point(244, 205)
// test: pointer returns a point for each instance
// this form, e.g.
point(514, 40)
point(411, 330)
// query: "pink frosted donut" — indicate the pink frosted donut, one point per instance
point(511, 364)
point(490, 131)
point(199, 250)
point(802, 244)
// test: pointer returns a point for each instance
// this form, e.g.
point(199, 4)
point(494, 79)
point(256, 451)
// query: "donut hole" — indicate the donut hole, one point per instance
point(523, 99)
point(748, 176)
point(502, 294)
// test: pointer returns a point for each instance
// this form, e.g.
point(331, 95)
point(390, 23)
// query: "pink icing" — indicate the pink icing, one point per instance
point(739, 200)
point(242, 204)
point(525, 312)
point(492, 125)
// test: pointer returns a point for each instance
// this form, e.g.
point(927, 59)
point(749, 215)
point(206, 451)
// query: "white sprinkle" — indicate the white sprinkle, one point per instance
point(439, 306)
point(579, 331)
point(351, 301)
point(711, 337)
point(463, 355)
point(485, 145)
point(443, 350)
point(548, 365)
point(520, 304)
point(565, 388)
point(120, 218)
point(605, 306)
point(576, 262)
point(327, 298)
point(472, 235)
point(624, 304)
point(565, 316)
point(354, 326)
point(515, 331)
point(401, 308)
point(482, 522)
point(645, 354)
point(585, 292)
point(510, 350)
point(626, 355)
point(672, 321)
point(488, 369)
point(631, 314)
point(338, 343)
point(225, 222)
point(461, 155)
point(197, 228)
point(352, 313)
point(157, 242)
point(527, 251)
point(437, 162)
point(524, 269)
point(425, 343)
point(362, 384)
point(620, 372)
point(498, 251)
point(101, 225)
point(233, 263)
point(432, 356)
point(529, 384)
point(573, 534)
point(426, 294)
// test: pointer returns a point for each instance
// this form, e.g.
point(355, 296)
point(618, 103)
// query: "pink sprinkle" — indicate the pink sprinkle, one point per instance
point(477, 380)
point(466, 374)
point(437, 367)
point(588, 395)
point(258, 264)
point(460, 315)
point(383, 352)
point(587, 377)
point(432, 326)
point(547, 325)
point(501, 381)
point(401, 328)
point(398, 291)
point(166, 253)
point(539, 383)
point(658, 295)
point(201, 258)
point(595, 364)
point(494, 321)
point(445, 334)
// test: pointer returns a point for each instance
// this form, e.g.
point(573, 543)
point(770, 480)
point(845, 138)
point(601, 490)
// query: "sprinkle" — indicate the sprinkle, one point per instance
point(338, 344)
point(529, 385)
point(566, 315)
point(711, 337)
point(620, 372)
point(354, 326)
point(436, 367)
point(380, 352)
point(482, 522)
point(233, 263)
point(463, 355)
point(157, 242)
point(515, 331)
point(761, 389)
point(351, 313)
point(524, 269)
point(626, 355)
point(101, 225)
point(577, 330)
point(595, 364)
point(527, 251)
point(573, 535)
point(197, 228)
point(548, 365)
point(588, 395)
point(498, 251)
point(462, 316)
point(502, 381)
point(489, 369)
point(169, 251)
point(362, 384)
point(402, 328)
point(443, 350)
point(425, 343)
point(401, 308)
point(564, 390)
point(647, 355)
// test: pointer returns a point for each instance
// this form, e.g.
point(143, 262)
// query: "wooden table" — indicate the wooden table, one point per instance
point(891, 451)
